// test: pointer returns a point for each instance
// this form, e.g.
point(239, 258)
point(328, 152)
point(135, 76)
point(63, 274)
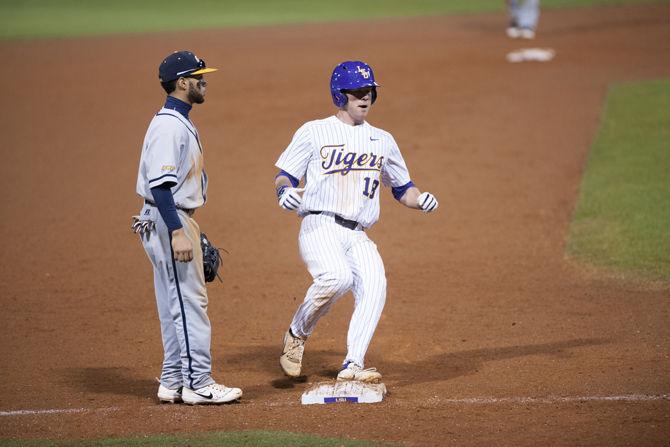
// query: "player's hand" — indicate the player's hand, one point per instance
point(289, 198)
point(181, 246)
point(427, 202)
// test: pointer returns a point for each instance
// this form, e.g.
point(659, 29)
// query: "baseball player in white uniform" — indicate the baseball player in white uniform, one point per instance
point(173, 184)
point(523, 18)
point(342, 160)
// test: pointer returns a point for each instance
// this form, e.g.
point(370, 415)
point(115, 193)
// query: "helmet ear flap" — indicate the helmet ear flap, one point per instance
point(339, 98)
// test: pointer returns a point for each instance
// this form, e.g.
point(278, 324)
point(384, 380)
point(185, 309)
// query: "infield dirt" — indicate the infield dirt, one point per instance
point(482, 302)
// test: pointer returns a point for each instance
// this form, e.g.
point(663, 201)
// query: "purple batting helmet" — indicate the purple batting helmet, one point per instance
point(351, 75)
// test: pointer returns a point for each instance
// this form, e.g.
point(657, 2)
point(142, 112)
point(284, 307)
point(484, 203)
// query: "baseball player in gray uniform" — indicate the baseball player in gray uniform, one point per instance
point(343, 160)
point(173, 184)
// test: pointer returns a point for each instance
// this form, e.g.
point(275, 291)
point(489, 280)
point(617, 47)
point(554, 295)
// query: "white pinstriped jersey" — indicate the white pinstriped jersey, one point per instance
point(343, 166)
point(171, 152)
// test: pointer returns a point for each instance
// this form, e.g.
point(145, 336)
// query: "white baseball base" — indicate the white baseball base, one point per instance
point(349, 391)
point(531, 54)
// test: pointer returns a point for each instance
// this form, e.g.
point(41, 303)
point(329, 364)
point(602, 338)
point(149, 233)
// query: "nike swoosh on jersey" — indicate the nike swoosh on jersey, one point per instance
point(374, 139)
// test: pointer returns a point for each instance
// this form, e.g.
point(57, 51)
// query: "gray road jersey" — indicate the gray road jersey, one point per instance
point(172, 153)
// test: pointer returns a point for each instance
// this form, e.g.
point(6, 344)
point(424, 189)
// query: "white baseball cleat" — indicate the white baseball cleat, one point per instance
point(291, 358)
point(513, 32)
point(165, 394)
point(527, 33)
point(210, 394)
point(352, 371)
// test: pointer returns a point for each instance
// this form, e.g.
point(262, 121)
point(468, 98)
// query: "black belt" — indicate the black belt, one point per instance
point(351, 224)
point(188, 211)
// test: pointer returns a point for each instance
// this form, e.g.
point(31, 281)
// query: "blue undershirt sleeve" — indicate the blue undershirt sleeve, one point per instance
point(294, 181)
point(400, 191)
point(166, 206)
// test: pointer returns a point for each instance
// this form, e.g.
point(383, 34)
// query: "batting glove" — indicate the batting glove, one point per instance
point(427, 202)
point(289, 198)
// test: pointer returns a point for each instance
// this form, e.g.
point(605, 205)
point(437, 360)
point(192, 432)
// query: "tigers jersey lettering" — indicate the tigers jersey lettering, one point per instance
point(343, 167)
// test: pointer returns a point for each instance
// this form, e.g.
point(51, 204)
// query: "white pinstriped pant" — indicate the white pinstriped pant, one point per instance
point(339, 260)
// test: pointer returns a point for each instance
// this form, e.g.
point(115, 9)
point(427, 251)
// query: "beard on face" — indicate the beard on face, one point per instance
point(194, 95)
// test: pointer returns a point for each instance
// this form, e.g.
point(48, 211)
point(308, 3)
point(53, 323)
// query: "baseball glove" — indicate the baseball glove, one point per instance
point(211, 259)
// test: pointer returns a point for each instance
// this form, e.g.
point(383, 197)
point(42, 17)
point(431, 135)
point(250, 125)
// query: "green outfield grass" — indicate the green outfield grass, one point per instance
point(68, 18)
point(217, 439)
point(622, 219)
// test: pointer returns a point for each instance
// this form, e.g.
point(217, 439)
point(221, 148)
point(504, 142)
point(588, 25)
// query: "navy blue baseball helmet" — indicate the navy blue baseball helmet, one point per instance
point(182, 63)
point(351, 75)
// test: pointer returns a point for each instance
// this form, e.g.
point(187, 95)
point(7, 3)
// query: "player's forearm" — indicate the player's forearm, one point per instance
point(409, 199)
point(282, 181)
point(166, 207)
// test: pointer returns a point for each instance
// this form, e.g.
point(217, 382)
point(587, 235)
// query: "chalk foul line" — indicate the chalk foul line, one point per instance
point(434, 400)
point(55, 411)
point(553, 399)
